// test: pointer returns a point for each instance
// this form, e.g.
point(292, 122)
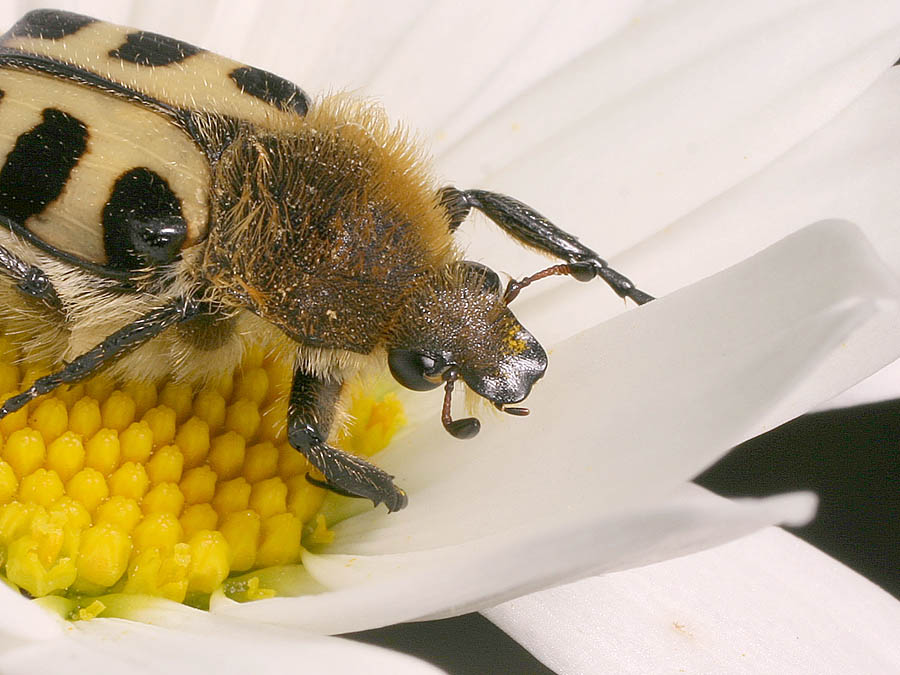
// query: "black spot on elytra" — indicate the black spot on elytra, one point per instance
point(38, 166)
point(264, 85)
point(152, 49)
point(142, 222)
point(49, 24)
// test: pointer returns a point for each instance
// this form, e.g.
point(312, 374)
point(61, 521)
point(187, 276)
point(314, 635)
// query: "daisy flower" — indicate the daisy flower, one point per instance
point(740, 162)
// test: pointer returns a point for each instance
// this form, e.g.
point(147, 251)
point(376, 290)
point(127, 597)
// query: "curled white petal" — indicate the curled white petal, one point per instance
point(368, 591)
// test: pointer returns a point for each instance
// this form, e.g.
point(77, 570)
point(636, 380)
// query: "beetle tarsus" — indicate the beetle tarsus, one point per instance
point(395, 502)
point(622, 285)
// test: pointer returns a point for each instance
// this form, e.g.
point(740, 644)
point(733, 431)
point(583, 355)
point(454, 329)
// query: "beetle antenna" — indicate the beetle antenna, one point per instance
point(582, 271)
point(513, 287)
point(465, 428)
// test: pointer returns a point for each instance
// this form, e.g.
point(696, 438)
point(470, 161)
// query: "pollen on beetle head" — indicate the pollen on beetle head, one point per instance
point(161, 491)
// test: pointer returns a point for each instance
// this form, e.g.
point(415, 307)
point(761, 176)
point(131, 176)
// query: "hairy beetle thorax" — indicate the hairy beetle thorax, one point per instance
point(323, 226)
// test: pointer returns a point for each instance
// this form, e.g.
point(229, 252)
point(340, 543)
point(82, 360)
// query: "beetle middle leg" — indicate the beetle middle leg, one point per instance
point(116, 345)
point(310, 415)
point(532, 229)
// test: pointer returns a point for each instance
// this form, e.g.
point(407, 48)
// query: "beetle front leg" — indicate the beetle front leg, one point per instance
point(310, 414)
point(532, 229)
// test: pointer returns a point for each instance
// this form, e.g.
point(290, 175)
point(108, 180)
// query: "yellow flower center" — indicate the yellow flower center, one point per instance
point(159, 490)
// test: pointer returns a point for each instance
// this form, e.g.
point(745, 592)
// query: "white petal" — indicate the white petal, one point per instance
point(462, 59)
point(21, 619)
point(767, 603)
point(564, 32)
point(433, 64)
point(848, 169)
point(437, 65)
point(192, 641)
point(883, 385)
point(685, 103)
point(480, 517)
point(690, 520)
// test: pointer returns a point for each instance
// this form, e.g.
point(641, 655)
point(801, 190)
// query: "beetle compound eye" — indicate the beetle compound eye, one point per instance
point(414, 370)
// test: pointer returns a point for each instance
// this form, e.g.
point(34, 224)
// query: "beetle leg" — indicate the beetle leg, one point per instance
point(118, 344)
point(310, 414)
point(532, 229)
point(29, 279)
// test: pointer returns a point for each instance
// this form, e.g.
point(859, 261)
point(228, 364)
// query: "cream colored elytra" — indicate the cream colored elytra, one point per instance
point(121, 135)
point(216, 147)
point(95, 307)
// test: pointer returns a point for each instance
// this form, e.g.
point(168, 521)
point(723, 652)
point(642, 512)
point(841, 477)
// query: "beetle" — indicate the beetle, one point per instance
point(159, 202)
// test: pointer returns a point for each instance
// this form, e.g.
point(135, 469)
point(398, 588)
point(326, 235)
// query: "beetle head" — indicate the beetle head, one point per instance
point(458, 325)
